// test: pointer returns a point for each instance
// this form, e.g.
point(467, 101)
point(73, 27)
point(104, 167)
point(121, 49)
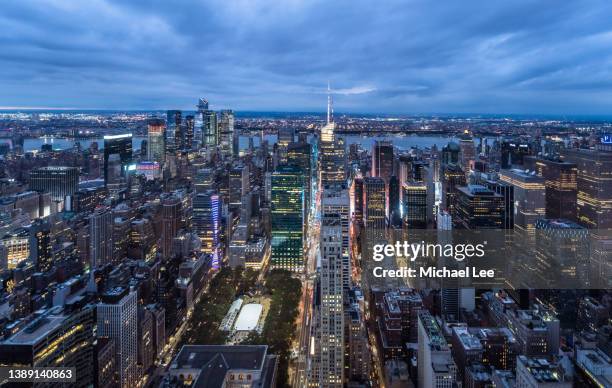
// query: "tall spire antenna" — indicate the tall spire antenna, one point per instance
point(330, 109)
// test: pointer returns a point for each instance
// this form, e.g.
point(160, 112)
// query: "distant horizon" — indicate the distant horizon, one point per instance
point(246, 113)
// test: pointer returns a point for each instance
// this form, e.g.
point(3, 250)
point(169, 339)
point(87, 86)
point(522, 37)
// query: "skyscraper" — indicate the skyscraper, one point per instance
point(414, 205)
point(206, 221)
point(451, 175)
point(100, 237)
point(58, 181)
point(300, 155)
point(393, 200)
point(332, 155)
point(382, 160)
point(118, 320)
point(478, 208)
point(560, 179)
point(529, 198)
point(373, 217)
point(335, 202)
point(287, 213)
point(238, 185)
point(156, 147)
point(357, 199)
point(468, 151)
point(225, 131)
point(171, 216)
point(332, 315)
point(120, 145)
point(187, 133)
point(55, 338)
point(209, 124)
point(174, 120)
point(41, 245)
point(562, 254)
point(594, 200)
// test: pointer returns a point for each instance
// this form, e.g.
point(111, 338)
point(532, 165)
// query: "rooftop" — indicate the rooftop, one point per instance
point(467, 340)
point(213, 362)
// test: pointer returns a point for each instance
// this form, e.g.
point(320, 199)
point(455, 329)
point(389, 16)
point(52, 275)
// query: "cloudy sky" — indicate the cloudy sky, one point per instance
point(516, 56)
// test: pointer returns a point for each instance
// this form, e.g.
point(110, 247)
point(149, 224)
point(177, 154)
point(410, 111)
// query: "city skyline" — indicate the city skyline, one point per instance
point(519, 58)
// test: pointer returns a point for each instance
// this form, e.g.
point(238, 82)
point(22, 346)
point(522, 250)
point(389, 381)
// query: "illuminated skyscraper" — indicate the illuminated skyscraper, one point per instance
point(58, 181)
point(382, 160)
point(478, 208)
point(187, 132)
point(209, 124)
point(332, 155)
point(225, 131)
point(173, 130)
point(468, 152)
point(594, 184)
point(206, 221)
point(100, 237)
point(300, 155)
point(238, 185)
point(513, 152)
point(450, 154)
point(357, 199)
point(41, 246)
point(287, 208)
point(156, 146)
point(171, 217)
point(332, 315)
point(120, 145)
point(561, 186)
point(594, 200)
point(55, 338)
point(562, 254)
point(118, 319)
point(529, 198)
point(373, 216)
point(335, 202)
point(452, 178)
point(414, 204)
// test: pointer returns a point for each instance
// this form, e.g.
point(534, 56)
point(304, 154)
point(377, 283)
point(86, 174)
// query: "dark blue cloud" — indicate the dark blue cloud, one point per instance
point(393, 56)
